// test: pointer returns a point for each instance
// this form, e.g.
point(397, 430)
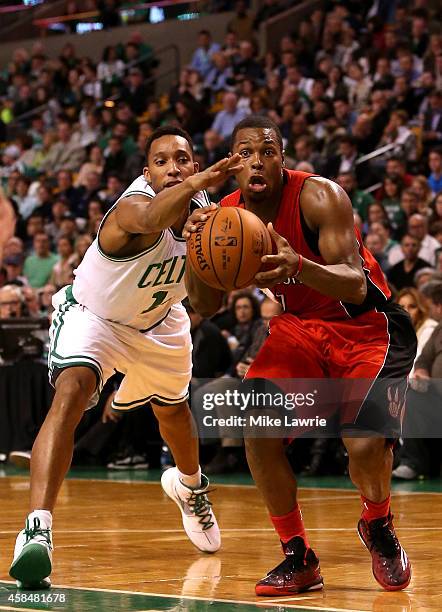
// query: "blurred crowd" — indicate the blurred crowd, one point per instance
point(356, 90)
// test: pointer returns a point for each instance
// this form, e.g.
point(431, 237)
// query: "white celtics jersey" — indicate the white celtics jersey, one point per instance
point(139, 290)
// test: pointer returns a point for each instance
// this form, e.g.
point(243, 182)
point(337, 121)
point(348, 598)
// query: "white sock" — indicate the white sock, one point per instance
point(45, 517)
point(191, 480)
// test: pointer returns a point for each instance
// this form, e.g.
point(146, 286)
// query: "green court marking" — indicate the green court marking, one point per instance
point(94, 600)
point(433, 485)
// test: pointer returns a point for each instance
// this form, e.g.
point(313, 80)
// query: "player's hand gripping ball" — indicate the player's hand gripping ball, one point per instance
point(225, 250)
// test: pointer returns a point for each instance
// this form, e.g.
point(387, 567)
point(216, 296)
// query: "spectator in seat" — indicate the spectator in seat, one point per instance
point(11, 302)
point(246, 65)
point(13, 265)
point(392, 188)
point(432, 121)
point(94, 163)
point(412, 301)
point(202, 56)
point(65, 189)
point(435, 165)
point(359, 199)
point(417, 227)
point(114, 188)
point(38, 267)
point(114, 157)
point(63, 270)
point(373, 243)
point(136, 93)
point(213, 148)
point(423, 416)
point(87, 193)
point(402, 274)
point(226, 119)
point(66, 153)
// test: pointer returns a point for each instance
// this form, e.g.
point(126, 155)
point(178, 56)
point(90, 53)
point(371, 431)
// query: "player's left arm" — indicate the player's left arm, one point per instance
point(327, 211)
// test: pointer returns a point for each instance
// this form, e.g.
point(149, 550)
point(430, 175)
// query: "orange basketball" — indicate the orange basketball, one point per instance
point(225, 252)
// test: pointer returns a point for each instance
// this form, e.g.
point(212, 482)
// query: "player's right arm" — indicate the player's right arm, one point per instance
point(204, 300)
point(137, 215)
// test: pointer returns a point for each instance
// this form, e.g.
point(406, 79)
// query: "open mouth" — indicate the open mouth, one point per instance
point(257, 183)
point(172, 184)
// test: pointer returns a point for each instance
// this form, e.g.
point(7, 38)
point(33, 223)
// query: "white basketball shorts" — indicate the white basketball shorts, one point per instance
point(157, 365)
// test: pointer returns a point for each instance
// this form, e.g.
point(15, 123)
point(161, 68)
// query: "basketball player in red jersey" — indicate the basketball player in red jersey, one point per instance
point(338, 322)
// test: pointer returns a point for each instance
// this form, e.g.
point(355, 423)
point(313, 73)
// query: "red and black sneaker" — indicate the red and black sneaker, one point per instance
point(298, 572)
point(390, 563)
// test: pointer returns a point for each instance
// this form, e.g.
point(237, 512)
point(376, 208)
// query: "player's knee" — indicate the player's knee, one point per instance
point(74, 389)
point(366, 452)
point(171, 413)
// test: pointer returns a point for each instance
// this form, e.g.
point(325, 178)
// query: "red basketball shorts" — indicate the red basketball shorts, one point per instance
point(373, 352)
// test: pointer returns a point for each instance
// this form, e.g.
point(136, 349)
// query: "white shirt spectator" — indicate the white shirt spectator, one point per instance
point(427, 252)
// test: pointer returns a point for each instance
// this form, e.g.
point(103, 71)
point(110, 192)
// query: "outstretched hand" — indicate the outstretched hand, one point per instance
point(228, 166)
point(285, 262)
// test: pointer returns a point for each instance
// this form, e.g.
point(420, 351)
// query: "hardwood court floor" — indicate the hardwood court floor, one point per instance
point(120, 546)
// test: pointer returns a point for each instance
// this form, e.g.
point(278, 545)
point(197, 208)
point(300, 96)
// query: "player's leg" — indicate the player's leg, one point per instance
point(383, 359)
point(159, 369)
point(178, 430)
point(53, 447)
point(50, 460)
point(289, 352)
point(184, 483)
point(82, 351)
point(370, 465)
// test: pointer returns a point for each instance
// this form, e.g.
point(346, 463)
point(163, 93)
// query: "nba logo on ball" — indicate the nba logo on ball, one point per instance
point(225, 241)
point(226, 250)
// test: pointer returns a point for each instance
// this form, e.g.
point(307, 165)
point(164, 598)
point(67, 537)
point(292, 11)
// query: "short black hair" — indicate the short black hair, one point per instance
point(257, 121)
point(167, 130)
point(435, 293)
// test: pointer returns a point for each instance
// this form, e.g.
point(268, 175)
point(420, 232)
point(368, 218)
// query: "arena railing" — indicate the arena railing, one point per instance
point(390, 148)
point(378, 152)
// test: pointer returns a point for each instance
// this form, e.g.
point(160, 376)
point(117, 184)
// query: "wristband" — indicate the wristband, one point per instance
point(299, 270)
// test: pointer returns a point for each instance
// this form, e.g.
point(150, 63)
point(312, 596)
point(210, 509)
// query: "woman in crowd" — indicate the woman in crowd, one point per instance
point(410, 299)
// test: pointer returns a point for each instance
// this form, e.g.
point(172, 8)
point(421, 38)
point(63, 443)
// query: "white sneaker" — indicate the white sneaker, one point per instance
point(21, 459)
point(404, 472)
point(32, 562)
point(198, 518)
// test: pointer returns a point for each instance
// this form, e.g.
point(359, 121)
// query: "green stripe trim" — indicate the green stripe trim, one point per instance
point(63, 361)
point(175, 236)
point(59, 360)
point(58, 324)
point(144, 331)
point(75, 364)
point(131, 257)
point(145, 400)
point(70, 295)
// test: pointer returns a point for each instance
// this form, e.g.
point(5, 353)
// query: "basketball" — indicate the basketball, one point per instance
point(225, 252)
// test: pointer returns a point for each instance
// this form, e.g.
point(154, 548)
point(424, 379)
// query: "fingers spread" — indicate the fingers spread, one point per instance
point(273, 259)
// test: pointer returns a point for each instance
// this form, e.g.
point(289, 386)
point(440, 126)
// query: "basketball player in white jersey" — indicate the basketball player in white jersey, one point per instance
point(123, 312)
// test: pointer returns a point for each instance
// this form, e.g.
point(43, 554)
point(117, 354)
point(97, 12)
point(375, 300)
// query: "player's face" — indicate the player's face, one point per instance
point(169, 163)
point(263, 161)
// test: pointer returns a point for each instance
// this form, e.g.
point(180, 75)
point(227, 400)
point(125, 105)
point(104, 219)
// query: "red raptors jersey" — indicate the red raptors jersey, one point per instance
point(295, 297)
